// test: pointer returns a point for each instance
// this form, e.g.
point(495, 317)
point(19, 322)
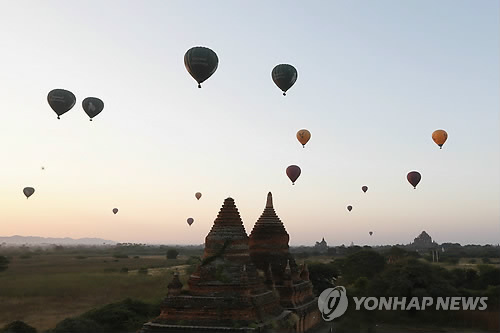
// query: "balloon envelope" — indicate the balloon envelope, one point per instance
point(284, 76)
point(92, 106)
point(28, 191)
point(293, 172)
point(349, 208)
point(201, 63)
point(115, 210)
point(439, 137)
point(364, 188)
point(371, 233)
point(190, 220)
point(303, 136)
point(61, 101)
point(414, 178)
point(198, 195)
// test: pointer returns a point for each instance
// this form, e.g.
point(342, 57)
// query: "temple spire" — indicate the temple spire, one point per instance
point(304, 274)
point(175, 286)
point(269, 203)
point(268, 242)
point(288, 271)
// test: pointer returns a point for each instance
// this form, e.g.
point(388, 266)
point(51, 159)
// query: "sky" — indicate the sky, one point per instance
point(375, 79)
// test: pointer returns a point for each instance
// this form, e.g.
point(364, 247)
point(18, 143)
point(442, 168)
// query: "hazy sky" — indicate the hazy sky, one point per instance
point(376, 78)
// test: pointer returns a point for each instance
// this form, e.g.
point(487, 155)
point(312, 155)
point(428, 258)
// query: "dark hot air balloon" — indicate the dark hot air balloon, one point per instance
point(293, 172)
point(414, 178)
point(303, 136)
point(61, 101)
point(284, 76)
point(349, 208)
point(371, 233)
point(440, 137)
point(92, 106)
point(190, 220)
point(28, 191)
point(364, 188)
point(115, 210)
point(198, 195)
point(201, 63)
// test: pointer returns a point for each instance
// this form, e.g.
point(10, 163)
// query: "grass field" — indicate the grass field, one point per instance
point(466, 263)
point(44, 289)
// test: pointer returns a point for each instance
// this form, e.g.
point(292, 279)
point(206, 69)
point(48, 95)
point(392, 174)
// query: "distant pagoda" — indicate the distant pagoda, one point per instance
point(321, 247)
point(423, 243)
point(225, 293)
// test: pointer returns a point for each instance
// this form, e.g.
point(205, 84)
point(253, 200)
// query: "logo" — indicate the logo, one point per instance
point(332, 303)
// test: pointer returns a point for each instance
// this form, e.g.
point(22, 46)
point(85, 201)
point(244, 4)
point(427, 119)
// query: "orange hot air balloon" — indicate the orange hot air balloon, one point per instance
point(414, 178)
point(293, 172)
point(303, 136)
point(198, 195)
point(364, 188)
point(349, 208)
point(439, 137)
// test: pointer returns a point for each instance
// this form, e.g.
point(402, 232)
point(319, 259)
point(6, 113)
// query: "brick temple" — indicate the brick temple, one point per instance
point(243, 284)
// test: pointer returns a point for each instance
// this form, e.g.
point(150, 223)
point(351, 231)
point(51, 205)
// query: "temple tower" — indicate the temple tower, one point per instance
point(225, 293)
point(269, 244)
point(269, 248)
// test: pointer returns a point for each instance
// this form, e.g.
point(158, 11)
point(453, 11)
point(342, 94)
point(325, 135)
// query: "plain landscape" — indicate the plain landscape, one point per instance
point(44, 285)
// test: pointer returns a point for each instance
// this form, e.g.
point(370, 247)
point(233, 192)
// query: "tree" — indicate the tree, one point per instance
point(365, 263)
point(125, 316)
point(471, 278)
point(412, 278)
point(77, 325)
point(322, 276)
point(172, 254)
point(4, 263)
point(18, 327)
point(488, 276)
point(331, 251)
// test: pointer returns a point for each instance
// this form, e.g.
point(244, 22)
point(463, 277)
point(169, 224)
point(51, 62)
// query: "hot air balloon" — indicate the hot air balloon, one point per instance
point(198, 195)
point(190, 220)
point(284, 76)
point(364, 188)
point(349, 208)
point(92, 106)
point(439, 137)
point(61, 101)
point(414, 178)
point(293, 172)
point(303, 136)
point(201, 63)
point(371, 233)
point(28, 191)
point(115, 210)
point(43, 168)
